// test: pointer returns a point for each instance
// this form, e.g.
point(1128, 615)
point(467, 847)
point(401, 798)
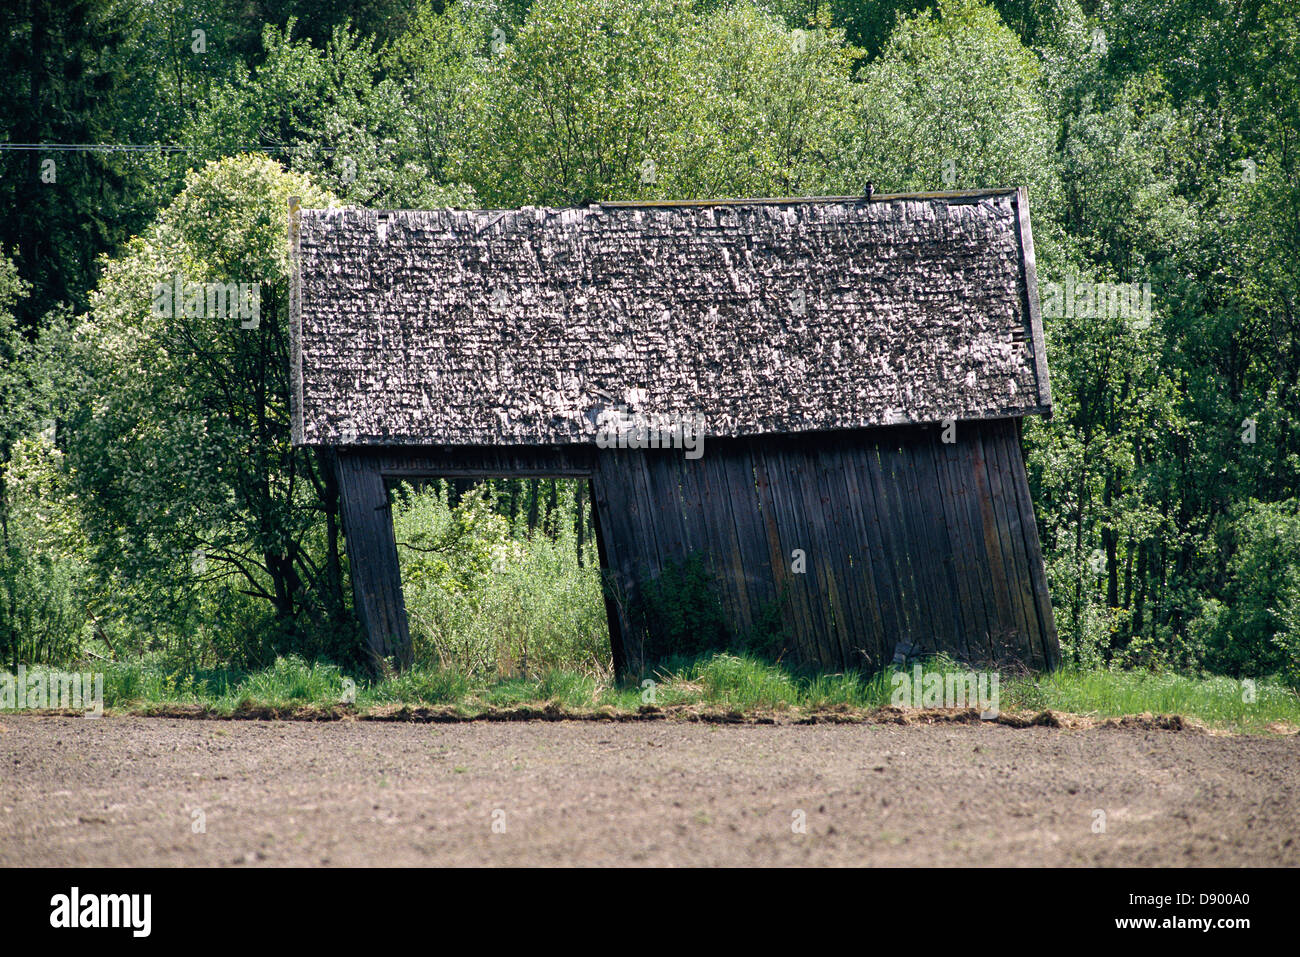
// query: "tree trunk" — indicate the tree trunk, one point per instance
point(580, 527)
point(335, 603)
point(534, 486)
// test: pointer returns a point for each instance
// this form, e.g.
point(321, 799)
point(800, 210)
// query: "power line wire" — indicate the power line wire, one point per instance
point(140, 148)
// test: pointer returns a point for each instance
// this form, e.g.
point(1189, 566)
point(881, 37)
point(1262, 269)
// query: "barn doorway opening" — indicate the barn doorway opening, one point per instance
point(501, 576)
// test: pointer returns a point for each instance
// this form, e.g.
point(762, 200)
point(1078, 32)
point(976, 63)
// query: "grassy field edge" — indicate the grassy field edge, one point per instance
point(720, 687)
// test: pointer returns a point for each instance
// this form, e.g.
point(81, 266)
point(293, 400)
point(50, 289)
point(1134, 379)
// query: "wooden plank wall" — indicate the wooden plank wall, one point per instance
point(906, 539)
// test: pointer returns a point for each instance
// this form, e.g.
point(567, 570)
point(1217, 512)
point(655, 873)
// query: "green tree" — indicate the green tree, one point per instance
point(1254, 630)
point(439, 64)
point(773, 111)
point(64, 83)
point(42, 553)
point(330, 113)
point(957, 101)
point(182, 453)
point(572, 107)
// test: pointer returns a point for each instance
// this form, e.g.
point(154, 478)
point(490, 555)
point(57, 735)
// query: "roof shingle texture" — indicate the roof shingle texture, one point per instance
point(524, 327)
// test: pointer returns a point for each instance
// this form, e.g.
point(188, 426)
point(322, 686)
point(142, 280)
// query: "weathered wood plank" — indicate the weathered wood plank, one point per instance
point(945, 616)
point(778, 558)
point(619, 632)
point(756, 558)
point(1030, 649)
point(809, 518)
point(623, 546)
point(966, 499)
point(663, 485)
point(1051, 646)
point(956, 522)
point(720, 532)
point(791, 494)
point(889, 508)
point(1016, 647)
point(919, 551)
point(1002, 562)
point(890, 602)
point(790, 536)
point(737, 495)
point(871, 611)
point(841, 545)
point(372, 557)
point(992, 556)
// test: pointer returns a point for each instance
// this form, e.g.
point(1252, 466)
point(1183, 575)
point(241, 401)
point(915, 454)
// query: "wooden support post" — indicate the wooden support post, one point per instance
point(372, 554)
point(627, 660)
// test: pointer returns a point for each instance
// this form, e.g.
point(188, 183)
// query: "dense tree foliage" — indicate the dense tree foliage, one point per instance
point(148, 493)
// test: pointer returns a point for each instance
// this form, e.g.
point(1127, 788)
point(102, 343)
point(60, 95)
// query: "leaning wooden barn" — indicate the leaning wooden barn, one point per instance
point(857, 369)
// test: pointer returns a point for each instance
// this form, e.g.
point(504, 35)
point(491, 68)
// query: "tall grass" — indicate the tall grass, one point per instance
point(721, 680)
point(486, 599)
point(1111, 693)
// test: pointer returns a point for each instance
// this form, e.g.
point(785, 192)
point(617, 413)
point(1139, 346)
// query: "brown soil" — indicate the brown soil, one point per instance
point(935, 789)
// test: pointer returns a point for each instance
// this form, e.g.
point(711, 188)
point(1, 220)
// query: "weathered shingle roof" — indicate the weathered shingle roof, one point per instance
point(522, 326)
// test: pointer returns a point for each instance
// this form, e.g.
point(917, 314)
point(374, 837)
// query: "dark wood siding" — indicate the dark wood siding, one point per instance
point(906, 538)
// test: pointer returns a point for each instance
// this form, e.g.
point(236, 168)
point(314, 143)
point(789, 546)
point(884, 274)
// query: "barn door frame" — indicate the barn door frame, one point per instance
point(365, 477)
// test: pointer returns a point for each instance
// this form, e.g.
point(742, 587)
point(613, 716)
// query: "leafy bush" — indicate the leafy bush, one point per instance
point(679, 610)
